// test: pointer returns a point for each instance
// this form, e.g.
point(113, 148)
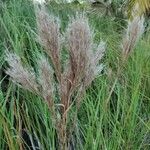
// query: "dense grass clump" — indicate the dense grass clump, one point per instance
point(114, 111)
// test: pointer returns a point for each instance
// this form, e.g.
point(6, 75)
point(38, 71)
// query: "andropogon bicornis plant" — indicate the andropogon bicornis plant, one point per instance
point(59, 80)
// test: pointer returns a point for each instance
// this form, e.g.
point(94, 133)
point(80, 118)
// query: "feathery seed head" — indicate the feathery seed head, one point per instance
point(48, 31)
point(20, 74)
point(49, 37)
point(83, 60)
point(46, 78)
point(133, 33)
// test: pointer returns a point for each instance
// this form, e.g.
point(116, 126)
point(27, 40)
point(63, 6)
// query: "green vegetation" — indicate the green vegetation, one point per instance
point(115, 111)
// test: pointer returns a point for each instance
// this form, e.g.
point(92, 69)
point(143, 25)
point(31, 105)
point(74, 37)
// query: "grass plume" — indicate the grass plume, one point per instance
point(134, 31)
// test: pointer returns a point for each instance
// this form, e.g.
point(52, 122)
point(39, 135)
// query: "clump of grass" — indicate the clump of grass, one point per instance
point(134, 31)
point(69, 80)
point(123, 124)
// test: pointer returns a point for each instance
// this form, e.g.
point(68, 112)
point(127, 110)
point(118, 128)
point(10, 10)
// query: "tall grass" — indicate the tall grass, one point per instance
point(117, 121)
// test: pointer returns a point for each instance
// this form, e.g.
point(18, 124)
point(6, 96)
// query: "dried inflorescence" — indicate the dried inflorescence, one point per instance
point(133, 33)
point(70, 79)
point(49, 37)
point(46, 80)
point(20, 74)
point(84, 62)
